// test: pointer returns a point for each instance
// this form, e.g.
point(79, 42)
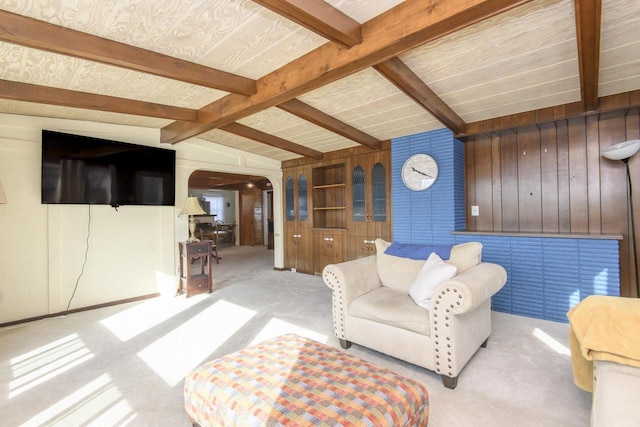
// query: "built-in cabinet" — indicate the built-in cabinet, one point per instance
point(298, 238)
point(336, 208)
point(370, 208)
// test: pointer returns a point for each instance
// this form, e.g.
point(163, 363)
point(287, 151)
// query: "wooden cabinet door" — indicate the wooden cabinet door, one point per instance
point(329, 246)
point(298, 239)
point(370, 208)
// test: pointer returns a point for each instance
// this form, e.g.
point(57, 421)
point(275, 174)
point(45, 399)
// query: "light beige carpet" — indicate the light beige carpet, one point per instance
point(124, 365)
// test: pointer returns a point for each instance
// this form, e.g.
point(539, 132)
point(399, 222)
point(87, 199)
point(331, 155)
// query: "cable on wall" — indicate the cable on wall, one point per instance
point(86, 253)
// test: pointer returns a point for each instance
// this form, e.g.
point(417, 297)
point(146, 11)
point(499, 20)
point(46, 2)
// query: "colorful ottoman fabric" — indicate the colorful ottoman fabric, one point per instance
point(295, 381)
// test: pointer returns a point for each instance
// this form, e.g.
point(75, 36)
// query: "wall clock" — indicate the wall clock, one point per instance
point(419, 172)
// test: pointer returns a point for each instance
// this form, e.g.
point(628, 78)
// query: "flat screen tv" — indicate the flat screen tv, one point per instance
point(84, 170)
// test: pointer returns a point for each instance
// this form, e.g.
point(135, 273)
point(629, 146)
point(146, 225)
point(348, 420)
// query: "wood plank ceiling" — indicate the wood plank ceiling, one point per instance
point(291, 78)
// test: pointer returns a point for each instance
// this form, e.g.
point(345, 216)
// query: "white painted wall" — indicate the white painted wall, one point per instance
point(42, 247)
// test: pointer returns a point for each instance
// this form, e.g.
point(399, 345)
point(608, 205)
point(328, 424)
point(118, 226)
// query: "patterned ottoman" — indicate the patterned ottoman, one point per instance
point(295, 381)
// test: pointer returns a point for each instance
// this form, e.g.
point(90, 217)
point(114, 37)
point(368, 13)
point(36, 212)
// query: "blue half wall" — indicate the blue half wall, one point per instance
point(546, 275)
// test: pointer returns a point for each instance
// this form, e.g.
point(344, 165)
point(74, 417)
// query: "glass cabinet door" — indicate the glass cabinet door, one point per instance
point(379, 193)
point(289, 200)
point(303, 210)
point(358, 194)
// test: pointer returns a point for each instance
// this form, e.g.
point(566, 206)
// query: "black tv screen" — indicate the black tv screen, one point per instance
point(84, 170)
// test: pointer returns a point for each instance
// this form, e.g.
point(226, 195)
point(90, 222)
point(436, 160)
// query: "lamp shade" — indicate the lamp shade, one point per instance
point(622, 151)
point(3, 198)
point(192, 207)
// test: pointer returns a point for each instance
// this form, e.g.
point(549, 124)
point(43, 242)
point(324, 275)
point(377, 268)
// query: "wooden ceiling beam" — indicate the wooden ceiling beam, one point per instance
point(620, 101)
point(313, 115)
point(41, 35)
point(320, 17)
point(407, 81)
point(410, 24)
point(207, 180)
point(68, 98)
point(274, 141)
point(588, 20)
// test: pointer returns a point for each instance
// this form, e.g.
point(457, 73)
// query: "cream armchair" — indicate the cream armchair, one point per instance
point(372, 307)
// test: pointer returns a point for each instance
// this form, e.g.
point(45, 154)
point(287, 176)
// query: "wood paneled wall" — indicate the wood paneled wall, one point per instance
point(551, 178)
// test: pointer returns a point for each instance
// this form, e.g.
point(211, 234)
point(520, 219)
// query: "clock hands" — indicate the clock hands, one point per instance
point(421, 173)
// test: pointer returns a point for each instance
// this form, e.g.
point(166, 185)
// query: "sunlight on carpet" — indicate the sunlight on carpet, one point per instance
point(276, 327)
point(144, 316)
point(47, 362)
point(189, 344)
point(553, 343)
point(98, 403)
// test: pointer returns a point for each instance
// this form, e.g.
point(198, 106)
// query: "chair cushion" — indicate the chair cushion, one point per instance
point(391, 307)
point(396, 272)
point(465, 255)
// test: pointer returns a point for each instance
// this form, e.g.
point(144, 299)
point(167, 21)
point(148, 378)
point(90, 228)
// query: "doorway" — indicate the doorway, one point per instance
point(243, 207)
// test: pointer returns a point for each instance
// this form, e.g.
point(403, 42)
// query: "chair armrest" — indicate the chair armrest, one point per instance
point(352, 278)
point(471, 288)
point(460, 315)
point(348, 280)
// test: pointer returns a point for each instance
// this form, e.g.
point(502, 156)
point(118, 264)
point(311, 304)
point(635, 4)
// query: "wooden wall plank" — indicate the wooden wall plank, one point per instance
point(593, 175)
point(529, 180)
point(470, 183)
point(564, 208)
point(496, 184)
point(578, 198)
point(509, 172)
point(483, 181)
point(549, 175)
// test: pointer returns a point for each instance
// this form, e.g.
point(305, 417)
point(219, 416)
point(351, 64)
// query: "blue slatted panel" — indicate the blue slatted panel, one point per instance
point(498, 251)
point(545, 276)
point(527, 277)
point(561, 276)
point(599, 267)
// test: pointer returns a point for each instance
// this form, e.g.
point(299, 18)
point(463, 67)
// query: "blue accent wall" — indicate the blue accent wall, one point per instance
point(546, 276)
point(415, 218)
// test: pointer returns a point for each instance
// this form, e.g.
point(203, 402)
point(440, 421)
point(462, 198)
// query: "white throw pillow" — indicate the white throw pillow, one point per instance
point(433, 273)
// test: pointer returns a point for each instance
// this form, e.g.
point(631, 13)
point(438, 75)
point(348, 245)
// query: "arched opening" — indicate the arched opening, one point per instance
point(240, 205)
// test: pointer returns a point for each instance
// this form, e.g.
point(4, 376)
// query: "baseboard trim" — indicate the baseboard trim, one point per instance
point(78, 310)
point(281, 269)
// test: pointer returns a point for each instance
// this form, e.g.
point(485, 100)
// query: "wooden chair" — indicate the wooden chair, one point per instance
point(213, 235)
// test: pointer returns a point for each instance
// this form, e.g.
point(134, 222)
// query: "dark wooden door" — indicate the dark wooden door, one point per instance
point(247, 219)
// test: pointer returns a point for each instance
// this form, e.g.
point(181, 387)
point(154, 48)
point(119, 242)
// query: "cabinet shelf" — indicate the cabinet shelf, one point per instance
point(330, 208)
point(329, 196)
point(320, 187)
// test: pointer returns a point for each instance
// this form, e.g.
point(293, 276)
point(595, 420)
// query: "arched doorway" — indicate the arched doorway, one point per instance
point(243, 203)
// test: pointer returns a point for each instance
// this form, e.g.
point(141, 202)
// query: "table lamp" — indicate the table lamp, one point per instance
point(192, 207)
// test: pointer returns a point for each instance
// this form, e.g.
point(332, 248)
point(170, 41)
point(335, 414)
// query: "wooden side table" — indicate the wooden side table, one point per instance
point(195, 267)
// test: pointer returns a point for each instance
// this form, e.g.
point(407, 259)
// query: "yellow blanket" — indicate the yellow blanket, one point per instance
point(603, 328)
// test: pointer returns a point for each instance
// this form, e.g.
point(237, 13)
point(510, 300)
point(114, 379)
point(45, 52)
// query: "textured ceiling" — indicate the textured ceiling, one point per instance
point(520, 60)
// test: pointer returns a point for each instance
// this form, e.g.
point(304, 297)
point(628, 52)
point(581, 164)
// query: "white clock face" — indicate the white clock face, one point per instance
point(419, 172)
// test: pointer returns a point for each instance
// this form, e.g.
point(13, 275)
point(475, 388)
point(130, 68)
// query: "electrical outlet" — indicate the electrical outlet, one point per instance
point(475, 210)
point(293, 270)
